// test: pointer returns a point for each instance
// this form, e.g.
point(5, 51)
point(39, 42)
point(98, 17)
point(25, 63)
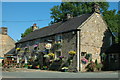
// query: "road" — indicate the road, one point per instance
point(60, 75)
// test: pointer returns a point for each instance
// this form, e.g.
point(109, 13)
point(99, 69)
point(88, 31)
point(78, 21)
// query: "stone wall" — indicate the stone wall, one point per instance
point(7, 44)
point(68, 43)
point(94, 37)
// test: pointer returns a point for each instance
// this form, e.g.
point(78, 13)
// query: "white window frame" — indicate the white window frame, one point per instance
point(110, 40)
point(56, 54)
point(57, 38)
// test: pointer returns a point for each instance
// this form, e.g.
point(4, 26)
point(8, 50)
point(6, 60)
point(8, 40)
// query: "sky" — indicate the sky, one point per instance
point(29, 13)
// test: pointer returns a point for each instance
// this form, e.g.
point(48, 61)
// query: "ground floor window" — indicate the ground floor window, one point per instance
point(113, 58)
point(58, 53)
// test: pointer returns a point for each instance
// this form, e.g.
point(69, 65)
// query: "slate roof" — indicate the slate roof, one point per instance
point(69, 25)
point(11, 52)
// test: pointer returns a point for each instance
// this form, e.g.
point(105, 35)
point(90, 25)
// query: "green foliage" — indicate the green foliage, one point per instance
point(58, 13)
point(27, 31)
point(91, 66)
point(99, 66)
point(96, 62)
point(112, 20)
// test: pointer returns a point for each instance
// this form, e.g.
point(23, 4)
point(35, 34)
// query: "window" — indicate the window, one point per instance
point(58, 53)
point(58, 38)
point(110, 40)
point(83, 53)
point(112, 58)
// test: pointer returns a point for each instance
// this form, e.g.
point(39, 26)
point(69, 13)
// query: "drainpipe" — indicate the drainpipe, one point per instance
point(78, 51)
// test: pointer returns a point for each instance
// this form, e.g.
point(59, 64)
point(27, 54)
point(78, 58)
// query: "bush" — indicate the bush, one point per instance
point(91, 66)
point(99, 66)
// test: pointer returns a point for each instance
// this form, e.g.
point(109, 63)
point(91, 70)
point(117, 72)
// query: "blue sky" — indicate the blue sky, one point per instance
point(29, 11)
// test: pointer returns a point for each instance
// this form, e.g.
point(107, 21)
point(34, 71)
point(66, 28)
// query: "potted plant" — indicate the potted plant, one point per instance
point(99, 66)
point(91, 66)
point(45, 67)
point(37, 67)
point(25, 66)
point(29, 66)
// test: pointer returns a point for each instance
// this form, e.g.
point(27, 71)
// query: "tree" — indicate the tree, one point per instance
point(112, 20)
point(27, 31)
point(58, 13)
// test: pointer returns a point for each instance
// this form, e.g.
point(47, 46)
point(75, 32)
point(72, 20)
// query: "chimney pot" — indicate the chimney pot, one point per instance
point(96, 8)
point(3, 30)
point(34, 27)
point(34, 24)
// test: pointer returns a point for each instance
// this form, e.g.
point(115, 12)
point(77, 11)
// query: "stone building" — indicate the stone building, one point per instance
point(85, 35)
point(112, 61)
point(6, 42)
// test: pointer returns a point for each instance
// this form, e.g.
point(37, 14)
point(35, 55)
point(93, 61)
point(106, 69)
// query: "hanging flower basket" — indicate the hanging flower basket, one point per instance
point(35, 45)
point(72, 52)
point(61, 57)
point(17, 49)
point(26, 47)
point(51, 54)
point(84, 60)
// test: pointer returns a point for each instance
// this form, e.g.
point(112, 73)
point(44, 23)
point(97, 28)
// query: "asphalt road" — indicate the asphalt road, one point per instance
point(60, 75)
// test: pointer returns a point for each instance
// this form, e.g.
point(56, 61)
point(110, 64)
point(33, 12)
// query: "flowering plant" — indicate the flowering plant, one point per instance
point(46, 55)
point(61, 57)
point(35, 45)
point(72, 52)
point(91, 66)
point(17, 48)
point(51, 54)
point(84, 60)
point(64, 68)
point(45, 67)
point(26, 47)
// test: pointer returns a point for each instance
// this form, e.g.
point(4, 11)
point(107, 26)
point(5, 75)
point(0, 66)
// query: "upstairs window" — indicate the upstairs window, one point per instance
point(58, 38)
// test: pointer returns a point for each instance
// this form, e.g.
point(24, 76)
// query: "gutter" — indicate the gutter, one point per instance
point(78, 51)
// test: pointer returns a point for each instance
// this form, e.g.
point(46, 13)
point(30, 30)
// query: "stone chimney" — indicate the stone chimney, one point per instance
point(96, 8)
point(3, 30)
point(69, 16)
point(34, 27)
